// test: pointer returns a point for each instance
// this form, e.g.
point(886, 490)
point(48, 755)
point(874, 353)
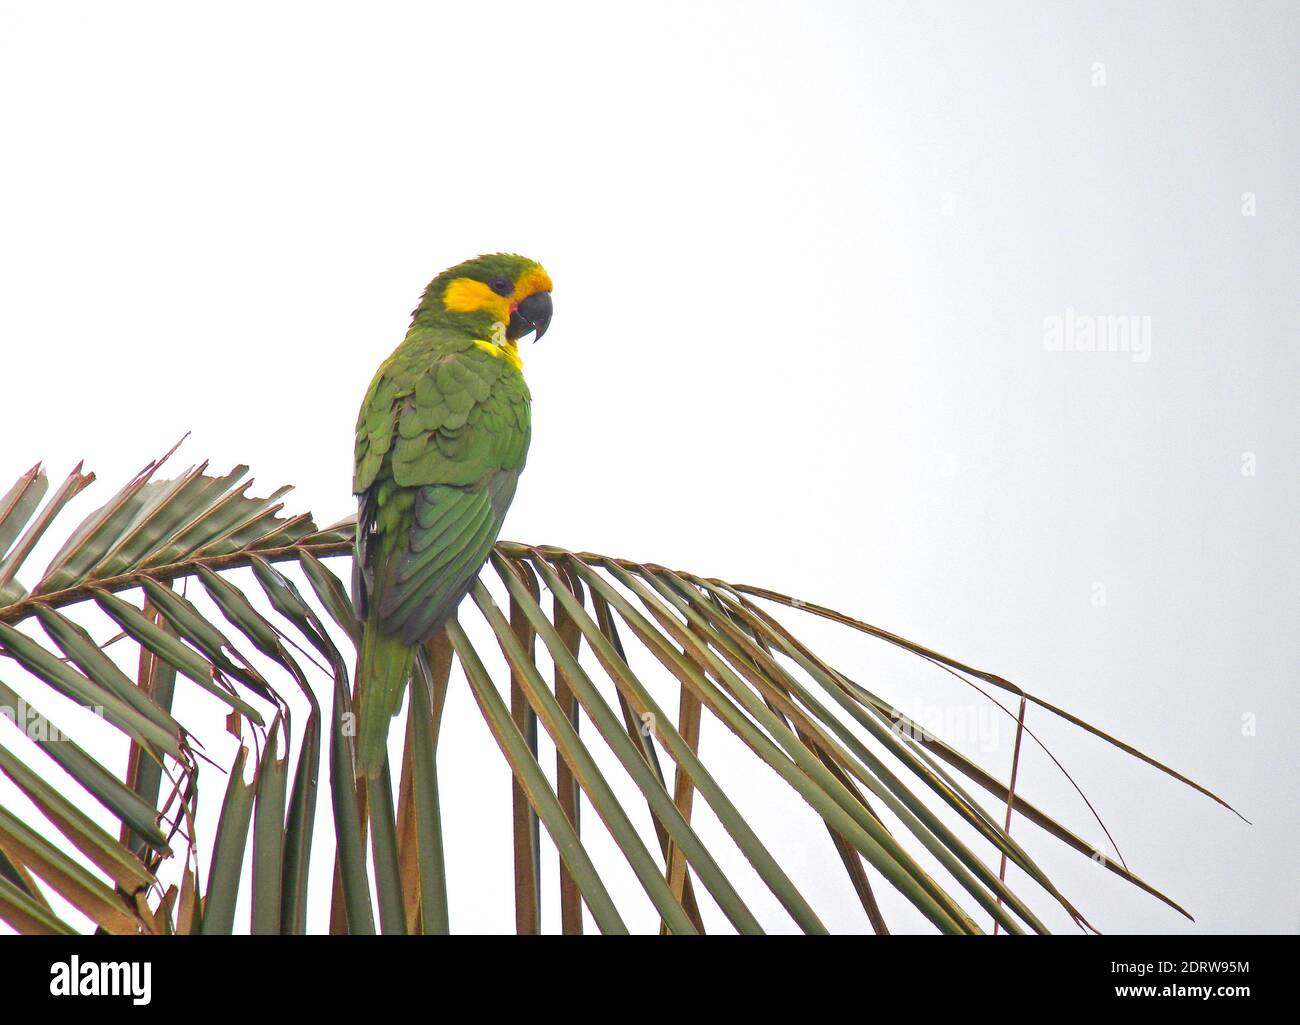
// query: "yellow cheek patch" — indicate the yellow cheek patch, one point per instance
point(465, 295)
point(507, 352)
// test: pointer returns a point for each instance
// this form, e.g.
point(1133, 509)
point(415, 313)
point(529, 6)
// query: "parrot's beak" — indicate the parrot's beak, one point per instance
point(533, 314)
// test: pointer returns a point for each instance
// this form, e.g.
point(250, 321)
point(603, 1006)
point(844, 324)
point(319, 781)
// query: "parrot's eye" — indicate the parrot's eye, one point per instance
point(501, 286)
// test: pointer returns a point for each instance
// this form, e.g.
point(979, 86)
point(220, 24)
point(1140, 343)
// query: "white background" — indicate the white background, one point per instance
point(803, 256)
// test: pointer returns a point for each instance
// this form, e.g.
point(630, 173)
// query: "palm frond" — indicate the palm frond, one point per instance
point(213, 595)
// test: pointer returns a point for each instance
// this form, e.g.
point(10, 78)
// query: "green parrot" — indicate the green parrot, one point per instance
point(441, 440)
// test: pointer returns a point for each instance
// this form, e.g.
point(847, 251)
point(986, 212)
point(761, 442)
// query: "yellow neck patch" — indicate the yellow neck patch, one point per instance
point(507, 351)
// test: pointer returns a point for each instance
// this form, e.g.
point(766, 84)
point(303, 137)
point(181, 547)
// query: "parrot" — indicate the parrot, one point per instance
point(441, 440)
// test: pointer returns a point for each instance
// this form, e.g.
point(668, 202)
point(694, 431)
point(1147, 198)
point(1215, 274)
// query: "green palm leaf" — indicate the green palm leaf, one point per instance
point(225, 603)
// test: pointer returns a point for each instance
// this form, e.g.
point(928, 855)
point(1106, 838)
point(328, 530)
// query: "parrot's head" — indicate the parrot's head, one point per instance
point(500, 288)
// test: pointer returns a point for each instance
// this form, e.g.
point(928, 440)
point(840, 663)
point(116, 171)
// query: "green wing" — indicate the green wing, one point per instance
point(451, 538)
point(441, 440)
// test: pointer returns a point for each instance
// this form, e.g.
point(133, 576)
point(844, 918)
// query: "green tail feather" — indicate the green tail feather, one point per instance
point(386, 664)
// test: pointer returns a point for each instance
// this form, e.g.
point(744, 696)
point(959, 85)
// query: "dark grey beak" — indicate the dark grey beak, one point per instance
point(533, 314)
